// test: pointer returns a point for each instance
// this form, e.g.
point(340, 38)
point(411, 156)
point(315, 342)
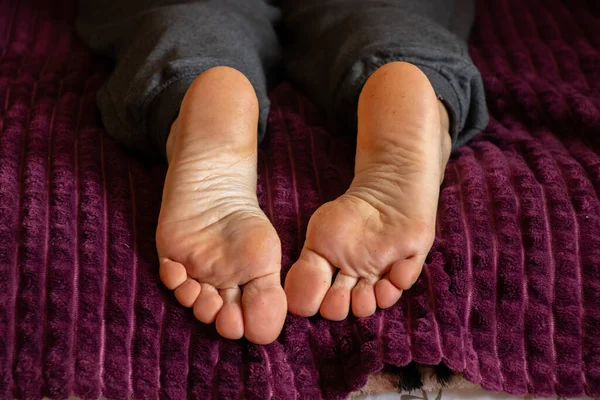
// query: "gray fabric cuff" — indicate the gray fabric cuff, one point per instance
point(164, 109)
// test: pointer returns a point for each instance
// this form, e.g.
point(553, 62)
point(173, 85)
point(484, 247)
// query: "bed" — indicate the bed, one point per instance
point(509, 298)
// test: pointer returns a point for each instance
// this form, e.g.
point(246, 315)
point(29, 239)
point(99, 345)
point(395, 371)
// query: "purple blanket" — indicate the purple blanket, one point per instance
point(510, 295)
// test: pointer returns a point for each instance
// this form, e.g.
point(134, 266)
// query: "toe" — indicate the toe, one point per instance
point(363, 299)
point(265, 307)
point(230, 321)
point(307, 283)
point(387, 294)
point(208, 304)
point(172, 274)
point(336, 303)
point(405, 273)
point(187, 293)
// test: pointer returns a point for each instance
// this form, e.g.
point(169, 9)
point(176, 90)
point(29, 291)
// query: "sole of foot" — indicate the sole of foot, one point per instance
point(364, 248)
point(217, 249)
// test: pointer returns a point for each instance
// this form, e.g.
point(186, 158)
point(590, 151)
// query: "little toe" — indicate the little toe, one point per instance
point(307, 283)
point(405, 273)
point(336, 304)
point(172, 273)
point(187, 293)
point(265, 307)
point(230, 320)
point(386, 293)
point(208, 304)
point(363, 299)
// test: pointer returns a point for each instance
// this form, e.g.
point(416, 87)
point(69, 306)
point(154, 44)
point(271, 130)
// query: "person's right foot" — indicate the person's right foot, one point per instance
point(217, 249)
point(364, 248)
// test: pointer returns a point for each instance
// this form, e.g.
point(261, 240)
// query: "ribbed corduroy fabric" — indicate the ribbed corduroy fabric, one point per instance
point(510, 295)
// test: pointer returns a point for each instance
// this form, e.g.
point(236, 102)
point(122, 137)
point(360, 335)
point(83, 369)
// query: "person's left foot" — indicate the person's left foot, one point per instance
point(377, 235)
point(217, 249)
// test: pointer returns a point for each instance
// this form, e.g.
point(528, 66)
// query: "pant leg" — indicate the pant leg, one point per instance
point(160, 46)
point(333, 46)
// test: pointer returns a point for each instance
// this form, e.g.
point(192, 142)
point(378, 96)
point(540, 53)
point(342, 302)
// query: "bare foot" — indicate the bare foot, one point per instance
point(217, 249)
point(377, 235)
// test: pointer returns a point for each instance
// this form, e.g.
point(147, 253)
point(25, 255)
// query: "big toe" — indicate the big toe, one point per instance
point(265, 307)
point(307, 283)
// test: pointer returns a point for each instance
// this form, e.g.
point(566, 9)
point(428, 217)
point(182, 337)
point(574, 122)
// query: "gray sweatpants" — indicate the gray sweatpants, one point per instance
point(328, 47)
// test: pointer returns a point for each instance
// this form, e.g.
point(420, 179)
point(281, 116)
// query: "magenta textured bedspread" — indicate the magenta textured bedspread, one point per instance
point(510, 295)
